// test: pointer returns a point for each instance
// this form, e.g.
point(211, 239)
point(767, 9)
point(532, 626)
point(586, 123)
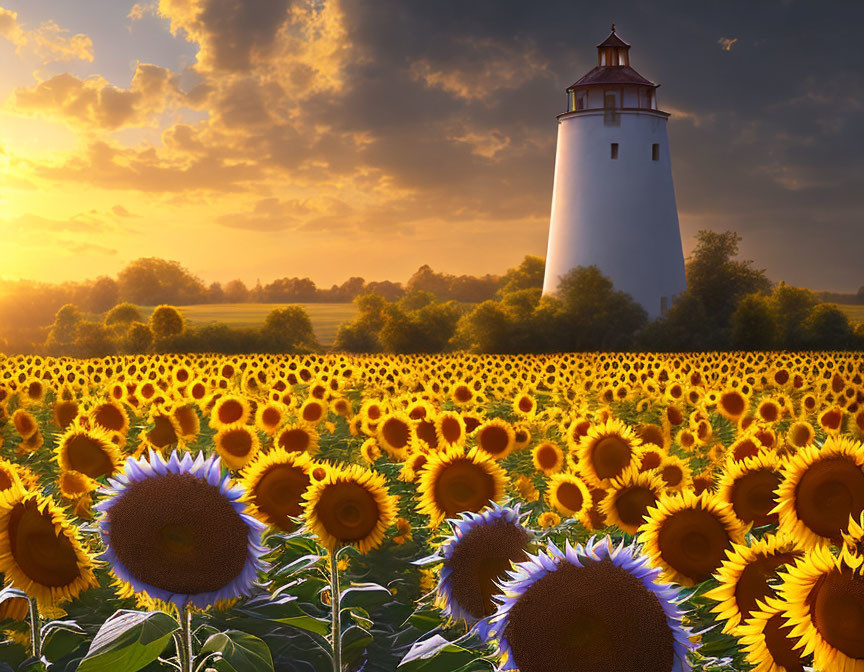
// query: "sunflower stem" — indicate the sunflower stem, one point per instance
point(185, 644)
point(35, 629)
point(336, 611)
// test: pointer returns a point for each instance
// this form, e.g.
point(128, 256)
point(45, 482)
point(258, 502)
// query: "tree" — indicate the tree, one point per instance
point(289, 329)
point(123, 313)
point(754, 324)
point(717, 279)
point(791, 307)
point(166, 322)
point(527, 275)
point(152, 281)
point(103, 294)
point(860, 294)
point(593, 315)
point(138, 338)
point(236, 292)
point(215, 293)
point(63, 331)
point(93, 339)
point(827, 328)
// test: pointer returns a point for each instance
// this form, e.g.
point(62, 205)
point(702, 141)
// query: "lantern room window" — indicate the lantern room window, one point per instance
point(655, 152)
point(614, 150)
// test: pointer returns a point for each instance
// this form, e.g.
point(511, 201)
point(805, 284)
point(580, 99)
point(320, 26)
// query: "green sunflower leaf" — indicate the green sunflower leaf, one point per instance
point(235, 651)
point(129, 641)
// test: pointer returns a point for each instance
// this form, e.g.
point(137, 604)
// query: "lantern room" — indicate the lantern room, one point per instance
point(612, 84)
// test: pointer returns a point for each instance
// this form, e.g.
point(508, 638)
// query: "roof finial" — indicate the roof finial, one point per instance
point(613, 26)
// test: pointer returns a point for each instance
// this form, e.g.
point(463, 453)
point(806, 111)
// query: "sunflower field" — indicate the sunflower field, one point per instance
point(442, 513)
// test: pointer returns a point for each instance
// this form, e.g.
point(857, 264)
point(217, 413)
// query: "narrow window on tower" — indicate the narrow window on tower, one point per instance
point(614, 150)
point(655, 152)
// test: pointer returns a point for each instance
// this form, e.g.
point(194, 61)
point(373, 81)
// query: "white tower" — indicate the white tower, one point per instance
point(613, 203)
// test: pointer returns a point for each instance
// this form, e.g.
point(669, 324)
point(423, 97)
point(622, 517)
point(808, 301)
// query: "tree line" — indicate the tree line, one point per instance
point(729, 304)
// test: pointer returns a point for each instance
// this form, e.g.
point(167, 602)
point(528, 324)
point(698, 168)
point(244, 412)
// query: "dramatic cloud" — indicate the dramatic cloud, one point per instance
point(49, 41)
point(96, 103)
point(432, 126)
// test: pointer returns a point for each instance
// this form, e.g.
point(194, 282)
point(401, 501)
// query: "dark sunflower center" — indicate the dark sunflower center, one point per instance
point(237, 442)
point(837, 610)
point(779, 645)
point(828, 493)
point(44, 556)
point(754, 495)
point(230, 411)
point(632, 505)
point(610, 456)
point(279, 494)
point(451, 430)
point(597, 618)
point(294, 440)
point(178, 533)
point(87, 455)
point(463, 486)
point(348, 511)
point(110, 417)
point(163, 433)
point(482, 557)
point(312, 412)
point(733, 403)
point(494, 440)
point(672, 475)
point(270, 417)
point(547, 456)
point(753, 584)
point(396, 432)
point(570, 496)
point(5, 481)
point(694, 543)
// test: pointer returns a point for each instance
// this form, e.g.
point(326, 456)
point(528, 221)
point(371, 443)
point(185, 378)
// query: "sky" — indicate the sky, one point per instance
point(331, 138)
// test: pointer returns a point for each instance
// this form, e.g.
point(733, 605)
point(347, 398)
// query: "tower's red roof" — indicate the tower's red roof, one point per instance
point(613, 40)
point(612, 74)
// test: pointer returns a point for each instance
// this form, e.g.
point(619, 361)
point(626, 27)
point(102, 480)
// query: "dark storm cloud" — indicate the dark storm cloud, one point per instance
point(766, 135)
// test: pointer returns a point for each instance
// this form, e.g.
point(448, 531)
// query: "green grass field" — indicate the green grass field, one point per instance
point(326, 317)
point(855, 313)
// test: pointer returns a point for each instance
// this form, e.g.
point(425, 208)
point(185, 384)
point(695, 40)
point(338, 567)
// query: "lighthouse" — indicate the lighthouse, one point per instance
point(613, 201)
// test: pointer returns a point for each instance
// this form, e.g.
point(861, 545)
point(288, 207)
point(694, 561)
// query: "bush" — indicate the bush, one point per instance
point(166, 322)
point(123, 313)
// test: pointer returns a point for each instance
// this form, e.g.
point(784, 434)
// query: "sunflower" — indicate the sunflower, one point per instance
point(74, 484)
point(768, 643)
point(800, 434)
point(112, 416)
point(462, 394)
point(568, 495)
point(371, 451)
point(230, 409)
point(313, 411)
point(275, 483)
point(477, 556)
point(607, 451)
point(413, 466)
point(41, 552)
point(178, 531)
point(688, 536)
point(297, 438)
point(65, 412)
point(89, 451)
point(349, 507)
point(525, 405)
point(496, 438)
point(450, 429)
point(454, 482)
point(629, 498)
point(548, 520)
point(821, 489)
point(746, 576)
point(732, 404)
point(187, 420)
point(548, 457)
point(396, 435)
point(650, 457)
point(824, 606)
point(9, 477)
point(750, 486)
point(25, 423)
point(583, 609)
point(236, 444)
point(831, 420)
point(675, 473)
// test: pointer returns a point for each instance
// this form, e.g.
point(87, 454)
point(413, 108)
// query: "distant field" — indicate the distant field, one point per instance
point(326, 317)
point(854, 312)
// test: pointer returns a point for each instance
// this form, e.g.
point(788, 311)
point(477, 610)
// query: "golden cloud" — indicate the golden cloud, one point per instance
point(95, 103)
point(48, 42)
